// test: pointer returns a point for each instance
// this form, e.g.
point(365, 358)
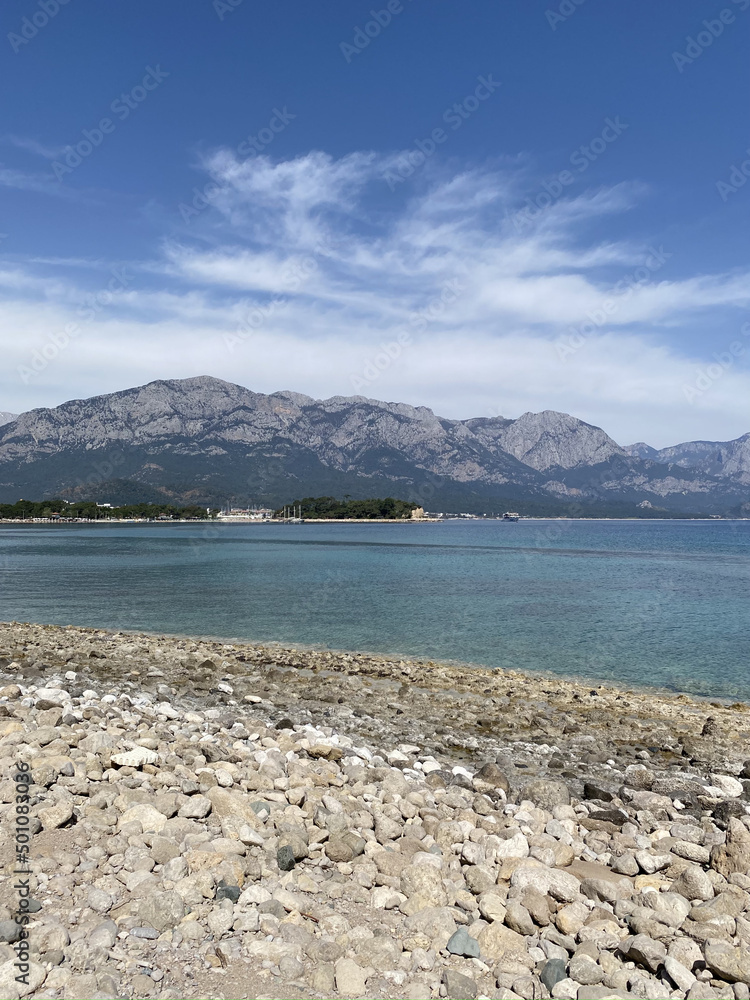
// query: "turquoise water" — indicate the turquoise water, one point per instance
point(638, 602)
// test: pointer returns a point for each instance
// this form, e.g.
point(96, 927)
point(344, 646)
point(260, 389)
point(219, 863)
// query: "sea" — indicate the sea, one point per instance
point(649, 603)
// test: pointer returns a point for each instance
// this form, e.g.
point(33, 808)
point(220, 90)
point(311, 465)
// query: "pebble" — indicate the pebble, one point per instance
point(259, 830)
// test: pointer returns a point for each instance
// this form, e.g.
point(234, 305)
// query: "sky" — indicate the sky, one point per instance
point(484, 208)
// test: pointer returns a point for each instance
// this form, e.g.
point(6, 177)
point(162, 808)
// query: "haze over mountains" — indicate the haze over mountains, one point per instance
point(209, 441)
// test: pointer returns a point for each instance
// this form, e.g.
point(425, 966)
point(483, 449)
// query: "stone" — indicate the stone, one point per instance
point(10, 931)
point(693, 883)
point(161, 910)
point(651, 863)
point(546, 793)
point(151, 819)
point(566, 989)
point(423, 886)
point(135, 758)
point(518, 918)
point(457, 986)
point(461, 943)
point(516, 846)
point(351, 980)
point(492, 906)
point(10, 988)
point(734, 855)
point(56, 816)
point(435, 923)
point(345, 847)
point(491, 774)
point(552, 972)
point(682, 977)
point(497, 941)
point(584, 970)
point(647, 952)
point(728, 963)
point(285, 858)
point(196, 807)
point(728, 785)
point(100, 900)
point(555, 882)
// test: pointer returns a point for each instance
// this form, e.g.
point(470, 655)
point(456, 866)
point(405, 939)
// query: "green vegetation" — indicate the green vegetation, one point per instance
point(389, 508)
point(89, 509)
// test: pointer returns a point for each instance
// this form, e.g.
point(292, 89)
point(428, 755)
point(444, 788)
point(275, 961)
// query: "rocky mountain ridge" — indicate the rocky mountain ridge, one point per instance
point(203, 439)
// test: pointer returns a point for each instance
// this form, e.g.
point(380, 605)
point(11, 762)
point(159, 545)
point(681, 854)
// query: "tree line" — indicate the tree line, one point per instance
point(330, 507)
point(89, 509)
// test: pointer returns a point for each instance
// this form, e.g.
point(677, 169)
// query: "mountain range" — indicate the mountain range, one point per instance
point(212, 442)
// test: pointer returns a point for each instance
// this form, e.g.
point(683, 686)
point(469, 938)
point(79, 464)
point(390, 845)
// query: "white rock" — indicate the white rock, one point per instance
point(135, 758)
point(728, 785)
point(54, 695)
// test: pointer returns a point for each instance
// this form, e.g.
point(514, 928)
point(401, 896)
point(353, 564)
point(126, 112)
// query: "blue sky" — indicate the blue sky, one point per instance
point(482, 208)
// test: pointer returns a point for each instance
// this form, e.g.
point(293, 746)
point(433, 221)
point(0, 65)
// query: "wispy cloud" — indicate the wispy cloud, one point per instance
point(319, 264)
point(32, 145)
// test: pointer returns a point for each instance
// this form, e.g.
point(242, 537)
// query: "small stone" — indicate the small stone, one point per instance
point(728, 963)
point(734, 855)
point(546, 793)
point(351, 980)
point(285, 858)
point(462, 943)
point(552, 972)
point(457, 986)
point(135, 758)
point(56, 816)
point(682, 978)
point(645, 951)
point(225, 891)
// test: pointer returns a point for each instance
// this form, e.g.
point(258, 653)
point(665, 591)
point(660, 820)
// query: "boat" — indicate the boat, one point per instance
point(510, 515)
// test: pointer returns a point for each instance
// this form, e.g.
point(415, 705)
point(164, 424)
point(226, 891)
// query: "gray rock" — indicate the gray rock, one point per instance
point(10, 931)
point(584, 970)
point(457, 986)
point(285, 858)
point(552, 972)
point(645, 951)
point(161, 910)
point(546, 793)
point(728, 963)
point(734, 855)
point(462, 943)
point(693, 883)
point(351, 980)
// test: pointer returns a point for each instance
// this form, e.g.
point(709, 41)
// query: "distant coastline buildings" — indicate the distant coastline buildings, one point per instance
point(245, 514)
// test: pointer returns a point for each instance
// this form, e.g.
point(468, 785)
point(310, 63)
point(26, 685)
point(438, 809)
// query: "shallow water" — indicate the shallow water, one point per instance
point(636, 602)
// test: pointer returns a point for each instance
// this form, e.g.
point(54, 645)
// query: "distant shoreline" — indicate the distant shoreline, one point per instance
point(353, 520)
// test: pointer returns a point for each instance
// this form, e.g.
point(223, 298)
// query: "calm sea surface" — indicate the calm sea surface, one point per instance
point(638, 602)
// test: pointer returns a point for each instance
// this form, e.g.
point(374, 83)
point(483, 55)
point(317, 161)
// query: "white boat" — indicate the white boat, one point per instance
point(510, 515)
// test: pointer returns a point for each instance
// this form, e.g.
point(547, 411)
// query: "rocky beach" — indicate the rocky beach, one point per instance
point(215, 819)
